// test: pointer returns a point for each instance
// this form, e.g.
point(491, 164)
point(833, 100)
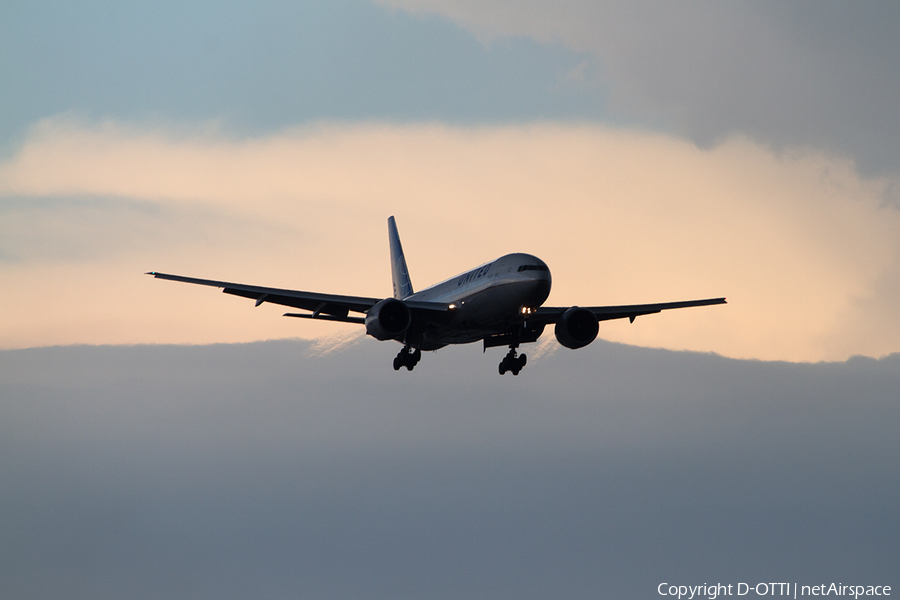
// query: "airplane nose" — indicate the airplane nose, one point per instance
point(540, 290)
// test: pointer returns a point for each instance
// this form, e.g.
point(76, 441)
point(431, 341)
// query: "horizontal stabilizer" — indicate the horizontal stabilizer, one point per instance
point(360, 320)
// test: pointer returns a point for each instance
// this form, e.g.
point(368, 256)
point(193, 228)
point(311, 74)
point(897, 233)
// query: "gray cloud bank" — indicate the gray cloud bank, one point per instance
point(789, 74)
point(264, 471)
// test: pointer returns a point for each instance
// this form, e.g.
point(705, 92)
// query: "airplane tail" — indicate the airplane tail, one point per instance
point(402, 285)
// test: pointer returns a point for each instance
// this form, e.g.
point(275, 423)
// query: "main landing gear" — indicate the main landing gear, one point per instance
point(512, 363)
point(408, 357)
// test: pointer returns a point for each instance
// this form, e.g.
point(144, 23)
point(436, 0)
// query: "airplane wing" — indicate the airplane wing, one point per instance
point(551, 314)
point(328, 307)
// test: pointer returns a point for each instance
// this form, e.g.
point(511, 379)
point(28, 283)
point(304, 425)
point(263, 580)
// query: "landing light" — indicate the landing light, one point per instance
point(452, 306)
point(526, 310)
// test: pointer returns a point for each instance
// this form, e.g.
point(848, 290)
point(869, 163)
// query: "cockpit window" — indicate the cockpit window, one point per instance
point(532, 268)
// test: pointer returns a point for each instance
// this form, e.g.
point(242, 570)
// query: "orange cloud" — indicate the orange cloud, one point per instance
point(805, 249)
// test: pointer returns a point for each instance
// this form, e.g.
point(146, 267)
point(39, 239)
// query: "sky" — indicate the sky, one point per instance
point(739, 151)
point(166, 441)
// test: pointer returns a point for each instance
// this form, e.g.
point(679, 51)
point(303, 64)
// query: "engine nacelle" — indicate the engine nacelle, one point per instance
point(577, 328)
point(388, 320)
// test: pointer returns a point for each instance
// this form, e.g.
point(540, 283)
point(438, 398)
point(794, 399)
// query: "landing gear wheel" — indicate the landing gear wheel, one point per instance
point(512, 363)
point(408, 357)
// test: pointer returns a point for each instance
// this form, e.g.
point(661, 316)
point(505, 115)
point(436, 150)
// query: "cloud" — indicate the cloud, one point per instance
point(783, 74)
point(257, 470)
point(805, 248)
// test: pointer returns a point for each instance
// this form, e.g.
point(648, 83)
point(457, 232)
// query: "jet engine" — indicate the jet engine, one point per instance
point(577, 328)
point(388, 320)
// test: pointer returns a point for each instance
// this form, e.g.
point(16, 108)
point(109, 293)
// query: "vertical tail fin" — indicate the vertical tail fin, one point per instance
point(402, 285)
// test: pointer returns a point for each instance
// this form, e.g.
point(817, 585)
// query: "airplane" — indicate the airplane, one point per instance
point(498, 303)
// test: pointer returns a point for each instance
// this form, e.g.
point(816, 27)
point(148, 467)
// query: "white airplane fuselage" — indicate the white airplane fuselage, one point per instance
point(488, 298)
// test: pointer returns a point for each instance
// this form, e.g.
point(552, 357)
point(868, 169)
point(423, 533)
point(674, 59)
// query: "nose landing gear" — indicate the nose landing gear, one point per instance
point(512, 363)
point(408, 357)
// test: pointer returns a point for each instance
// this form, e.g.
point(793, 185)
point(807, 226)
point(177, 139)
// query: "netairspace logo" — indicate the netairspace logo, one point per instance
point(794, 590)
